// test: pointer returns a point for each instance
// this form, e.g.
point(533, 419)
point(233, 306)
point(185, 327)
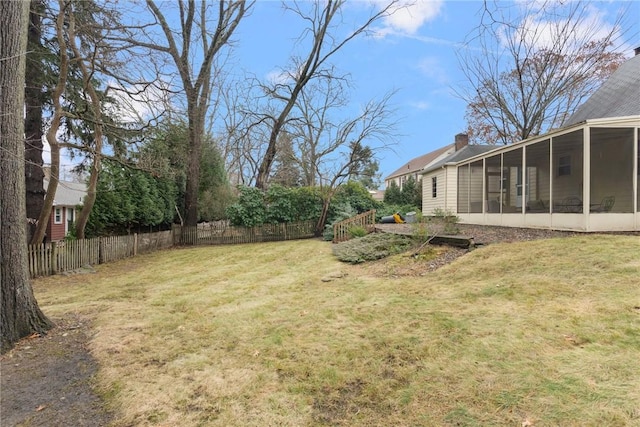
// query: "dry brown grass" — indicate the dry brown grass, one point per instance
point(537, 333)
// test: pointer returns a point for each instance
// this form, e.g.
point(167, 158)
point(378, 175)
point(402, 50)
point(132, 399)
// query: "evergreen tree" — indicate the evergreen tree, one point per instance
point(393, 194)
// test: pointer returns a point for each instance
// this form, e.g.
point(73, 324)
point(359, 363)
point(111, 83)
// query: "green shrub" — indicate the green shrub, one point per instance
point(249, 210)
point(277, 205)
point(449, 219)
point(410, 194)
point(357, 231)
point(280, 204)
point(356, 195)
point(342, 211)
point(371, 247)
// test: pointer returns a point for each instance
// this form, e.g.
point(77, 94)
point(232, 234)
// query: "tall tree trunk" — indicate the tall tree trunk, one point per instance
point(196, 132)
point(83, 216)
point(19, 314)
point(323, 218)
point(52, 137)
point(98, 129)
point(33, 126)
point(264, 171)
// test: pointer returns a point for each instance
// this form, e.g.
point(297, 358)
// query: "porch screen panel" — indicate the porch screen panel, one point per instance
point(493, 181)
point(611, 179)
point(537, 180)
point(475, 187)
point(512, 182)
point(568, 173)
point(463, 189)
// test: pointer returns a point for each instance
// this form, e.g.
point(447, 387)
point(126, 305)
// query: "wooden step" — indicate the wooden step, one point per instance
point(457, 241)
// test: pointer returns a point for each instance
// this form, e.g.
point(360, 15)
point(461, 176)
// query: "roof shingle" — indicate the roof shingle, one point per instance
point(619, 96)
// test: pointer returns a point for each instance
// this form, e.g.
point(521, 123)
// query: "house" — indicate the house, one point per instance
point(413, 168)
point(377, 195)
point(69, 195)
point(440, 178)
point(584, 176)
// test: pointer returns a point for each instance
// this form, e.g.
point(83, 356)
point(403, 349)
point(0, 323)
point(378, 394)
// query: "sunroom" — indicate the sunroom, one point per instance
point(583, 177)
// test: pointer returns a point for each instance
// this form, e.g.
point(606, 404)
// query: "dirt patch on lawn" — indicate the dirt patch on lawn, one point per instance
point(47, 381)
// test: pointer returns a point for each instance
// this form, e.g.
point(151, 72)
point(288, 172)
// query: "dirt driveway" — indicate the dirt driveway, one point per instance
point(46, 381)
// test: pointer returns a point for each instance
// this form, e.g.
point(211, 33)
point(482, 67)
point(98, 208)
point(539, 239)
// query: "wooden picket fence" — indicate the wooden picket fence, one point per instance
point(57, 257)
point(341, 229)
point(225, 234)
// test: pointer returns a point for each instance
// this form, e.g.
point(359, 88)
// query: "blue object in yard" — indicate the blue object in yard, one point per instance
point(387, 220)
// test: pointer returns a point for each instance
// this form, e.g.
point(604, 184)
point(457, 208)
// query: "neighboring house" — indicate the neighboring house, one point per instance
point(584, 176)
point(440, 180)
point(413, 168)
point(377, 195)
point(65, 205)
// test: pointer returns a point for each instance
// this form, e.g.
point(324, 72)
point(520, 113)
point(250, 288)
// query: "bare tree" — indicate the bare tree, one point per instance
point(536, 63)
point(314, 126)
point(197, 40)
point(331, 152)
point(19, 311)
point(323, 20)
point(240, 140)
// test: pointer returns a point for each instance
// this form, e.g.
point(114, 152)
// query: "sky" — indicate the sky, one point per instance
point(412, 53)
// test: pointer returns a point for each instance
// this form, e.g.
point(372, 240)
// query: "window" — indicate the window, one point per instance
point(564, 165)
point(434, 187)
point(57, 219)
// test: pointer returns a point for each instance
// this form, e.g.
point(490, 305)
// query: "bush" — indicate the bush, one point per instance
point(357, 231)
point(249, 210)
point(280, 205)
point(371, 247)
point(342, 211)
point(277, 205)
point(449, 219)
point(410, 194)
point(356, 195)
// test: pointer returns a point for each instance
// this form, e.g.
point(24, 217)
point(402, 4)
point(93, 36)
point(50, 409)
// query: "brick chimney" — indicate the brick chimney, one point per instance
point(462, 140)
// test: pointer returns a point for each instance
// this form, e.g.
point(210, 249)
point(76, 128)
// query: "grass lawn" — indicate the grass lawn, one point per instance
point(543, 333)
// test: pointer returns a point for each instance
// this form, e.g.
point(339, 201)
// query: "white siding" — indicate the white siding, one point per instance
point(429, 203)
point(451, 201)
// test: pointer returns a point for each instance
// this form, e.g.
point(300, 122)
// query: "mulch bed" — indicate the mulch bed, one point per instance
point(481, 234)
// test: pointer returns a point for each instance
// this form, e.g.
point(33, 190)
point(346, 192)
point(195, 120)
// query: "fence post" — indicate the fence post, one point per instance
point(54, 257)
point(135, 244)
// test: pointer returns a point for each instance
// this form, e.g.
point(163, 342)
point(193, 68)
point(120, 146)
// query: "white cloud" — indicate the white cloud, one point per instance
point(430, 67)
point(278, 77)
point(138, 102)
point(542, 32)
point(420, 105)
point(409, 16)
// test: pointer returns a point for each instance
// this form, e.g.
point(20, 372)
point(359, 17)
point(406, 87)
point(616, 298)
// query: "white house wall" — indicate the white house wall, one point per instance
point(430, 203)
point(451, 196)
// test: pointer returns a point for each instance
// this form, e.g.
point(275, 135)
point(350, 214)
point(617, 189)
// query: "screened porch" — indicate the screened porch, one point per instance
point(581, 178)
